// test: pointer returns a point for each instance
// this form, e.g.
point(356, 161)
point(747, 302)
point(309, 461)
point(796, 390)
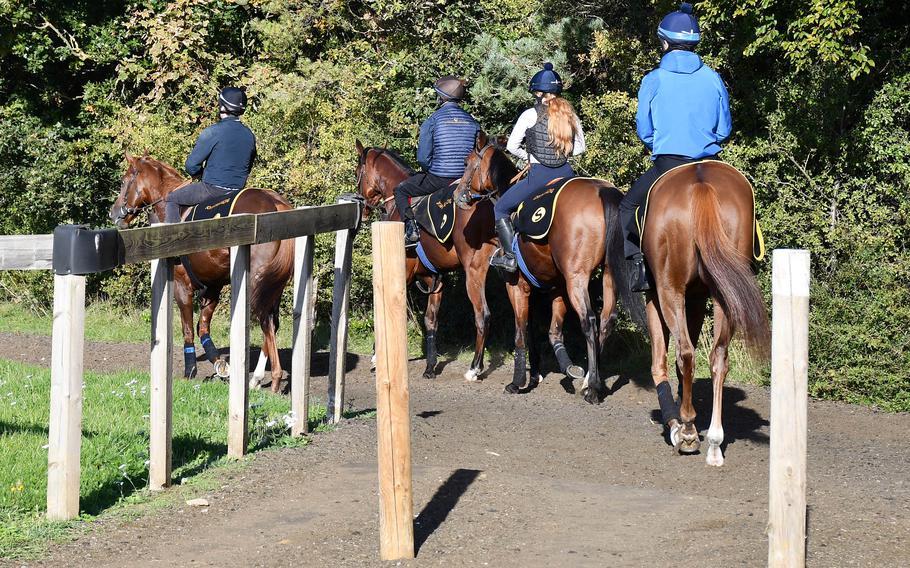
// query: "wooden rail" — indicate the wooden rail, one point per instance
point(74, 252)
point(26, 252)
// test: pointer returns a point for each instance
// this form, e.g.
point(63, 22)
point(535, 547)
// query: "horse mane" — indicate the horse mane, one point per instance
point(393, 155)
point(502, 169)
point(163, 169)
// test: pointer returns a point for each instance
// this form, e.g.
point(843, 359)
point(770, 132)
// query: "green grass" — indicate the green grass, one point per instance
point(114, 444)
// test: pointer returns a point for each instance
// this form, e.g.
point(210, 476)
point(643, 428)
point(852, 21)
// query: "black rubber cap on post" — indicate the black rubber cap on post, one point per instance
point(80, 250)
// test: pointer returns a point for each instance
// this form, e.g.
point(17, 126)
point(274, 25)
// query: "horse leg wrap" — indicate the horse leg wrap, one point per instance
point(430, 346)
point(518, 378)
point(668, 409)
point(211, 352)
point(562, 356)
point(189, 360)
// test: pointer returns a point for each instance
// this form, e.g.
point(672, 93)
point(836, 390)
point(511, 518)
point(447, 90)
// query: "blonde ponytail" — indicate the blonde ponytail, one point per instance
point(562, 123)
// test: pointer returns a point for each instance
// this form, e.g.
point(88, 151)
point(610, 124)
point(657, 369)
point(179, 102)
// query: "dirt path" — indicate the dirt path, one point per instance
point(541, 479)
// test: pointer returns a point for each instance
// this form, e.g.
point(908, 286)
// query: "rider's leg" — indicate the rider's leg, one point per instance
point(508, 202)
point(410, 187)
point(191, 194)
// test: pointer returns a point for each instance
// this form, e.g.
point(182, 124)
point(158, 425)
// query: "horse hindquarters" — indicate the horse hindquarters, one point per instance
point(271, 268)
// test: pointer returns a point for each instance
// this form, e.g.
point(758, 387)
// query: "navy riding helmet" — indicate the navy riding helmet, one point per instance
point(233, 100)
point(680, 27)
point(546, 80)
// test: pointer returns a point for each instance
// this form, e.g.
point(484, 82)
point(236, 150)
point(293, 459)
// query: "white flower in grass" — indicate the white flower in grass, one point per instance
point(290, 419)
point(271, 423)
point(45, 446)
point(122, 467)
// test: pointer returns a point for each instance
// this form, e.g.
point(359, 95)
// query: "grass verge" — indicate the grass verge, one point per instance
point(114, 468)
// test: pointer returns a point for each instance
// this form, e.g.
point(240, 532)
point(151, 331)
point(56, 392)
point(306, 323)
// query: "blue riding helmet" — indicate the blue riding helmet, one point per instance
point(233, 100)
point(680, 27)
point(546, 80)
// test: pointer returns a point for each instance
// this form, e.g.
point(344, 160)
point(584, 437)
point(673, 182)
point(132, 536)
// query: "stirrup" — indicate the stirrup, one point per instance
point(504, 261)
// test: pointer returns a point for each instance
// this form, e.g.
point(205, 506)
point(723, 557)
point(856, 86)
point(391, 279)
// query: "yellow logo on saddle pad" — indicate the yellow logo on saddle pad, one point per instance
point(536, 224)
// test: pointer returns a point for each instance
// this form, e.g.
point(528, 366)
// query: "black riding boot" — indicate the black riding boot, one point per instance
point(639, 269)
point(506, 258)
point(411, 233)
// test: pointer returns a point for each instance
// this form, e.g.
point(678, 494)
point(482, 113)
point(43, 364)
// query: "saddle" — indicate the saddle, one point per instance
point(758, 240)
point(435, 213)
point(214, 208)
point(534, 215)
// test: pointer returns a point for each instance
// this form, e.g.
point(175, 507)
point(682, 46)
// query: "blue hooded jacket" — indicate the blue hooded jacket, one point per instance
point(683, 108)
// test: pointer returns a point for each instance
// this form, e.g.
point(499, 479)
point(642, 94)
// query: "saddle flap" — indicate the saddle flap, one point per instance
point(214, 208)
point(436, 213)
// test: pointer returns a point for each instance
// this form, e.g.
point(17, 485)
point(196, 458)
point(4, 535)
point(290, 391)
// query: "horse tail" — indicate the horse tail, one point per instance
point(615, 259)
point(728, 273)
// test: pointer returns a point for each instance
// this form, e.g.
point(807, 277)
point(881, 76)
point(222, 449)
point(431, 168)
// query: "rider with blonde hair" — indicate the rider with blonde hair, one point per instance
point(551, 132)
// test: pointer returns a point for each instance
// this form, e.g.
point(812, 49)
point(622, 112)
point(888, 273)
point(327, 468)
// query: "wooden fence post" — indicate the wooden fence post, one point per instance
point(161, 372)
point(338, 345)
point(789, 408)
point(304, 304)
point(65, 426)
point(393, 431)
point(240, 345)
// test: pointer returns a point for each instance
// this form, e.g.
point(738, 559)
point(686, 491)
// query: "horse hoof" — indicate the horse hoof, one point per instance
point(575, 372)
point(189, 373)
point(222, 369)
point(591, 395)
point(472, 374)
point(511, 389)
point(429, 375)
point(689, 446)
point(715, 457)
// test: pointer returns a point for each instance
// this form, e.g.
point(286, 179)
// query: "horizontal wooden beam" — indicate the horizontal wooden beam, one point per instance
point(306, 221)
point(167, 241)
point(26, 252)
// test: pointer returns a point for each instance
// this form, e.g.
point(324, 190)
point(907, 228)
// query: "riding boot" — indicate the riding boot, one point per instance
point(639, 269)
point(411, 233)
point(506, 258)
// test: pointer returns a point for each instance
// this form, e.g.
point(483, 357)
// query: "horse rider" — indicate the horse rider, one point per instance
point(224, 154)
point(683, 117)
point(446, 139)
point(550, 132)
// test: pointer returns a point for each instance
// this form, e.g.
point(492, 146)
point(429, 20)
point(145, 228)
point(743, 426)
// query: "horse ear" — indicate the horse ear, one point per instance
point(129, 159)
point(480, 140)
point(502, 140)
point(145, 153)
point(359, 147)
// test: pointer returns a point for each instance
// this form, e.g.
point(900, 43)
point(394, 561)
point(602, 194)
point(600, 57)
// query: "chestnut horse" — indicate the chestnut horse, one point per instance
point(585, 235)
point(698, 242)
point(470, 247)
point(145, 184)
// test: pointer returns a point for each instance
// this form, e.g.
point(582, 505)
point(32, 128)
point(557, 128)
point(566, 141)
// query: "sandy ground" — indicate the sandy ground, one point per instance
point(540, 479)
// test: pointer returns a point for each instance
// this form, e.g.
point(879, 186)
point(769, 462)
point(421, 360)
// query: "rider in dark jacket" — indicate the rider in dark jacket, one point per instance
point(683, 117)
point(224, 155)
point(446, 139)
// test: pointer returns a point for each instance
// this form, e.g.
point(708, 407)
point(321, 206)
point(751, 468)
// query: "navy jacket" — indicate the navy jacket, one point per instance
point(225, 151)
point(683, 108)
point(446, 139)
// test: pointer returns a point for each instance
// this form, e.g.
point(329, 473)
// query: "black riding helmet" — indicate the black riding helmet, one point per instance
point(233, 100)
point(450, 88)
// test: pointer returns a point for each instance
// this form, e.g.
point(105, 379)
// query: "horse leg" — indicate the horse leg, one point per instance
point(270, 347)
point(519, 294)
point(660, 340)
point(566, 367)
point(208, 304)
point(431, 324)
point(593, 389)
point(608, 313)
point(183, 294)
point(686, 322)
point(476, 276)
point(719, 368)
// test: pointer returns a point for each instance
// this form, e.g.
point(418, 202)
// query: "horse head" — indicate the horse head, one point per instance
point(485, 167)
point(140, 188)
point(378, 172)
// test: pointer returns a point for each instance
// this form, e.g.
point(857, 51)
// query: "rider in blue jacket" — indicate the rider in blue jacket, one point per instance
point(223, 155)
point(446, 139)
point(683, 117)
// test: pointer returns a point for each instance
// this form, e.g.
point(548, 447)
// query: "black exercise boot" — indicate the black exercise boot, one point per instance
point(506, 258)
point(639, 270)
point(411, 233)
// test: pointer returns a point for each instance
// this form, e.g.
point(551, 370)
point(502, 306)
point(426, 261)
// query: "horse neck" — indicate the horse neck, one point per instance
point(502, 170)
point(390, 172)
point(167, 182)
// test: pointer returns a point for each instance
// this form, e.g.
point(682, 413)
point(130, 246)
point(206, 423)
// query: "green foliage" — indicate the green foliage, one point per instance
point(819, 93)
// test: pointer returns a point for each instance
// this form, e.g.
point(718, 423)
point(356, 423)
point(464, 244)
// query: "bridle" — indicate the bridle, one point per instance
point(380, 205)
point(466, 197)
point(125, 210)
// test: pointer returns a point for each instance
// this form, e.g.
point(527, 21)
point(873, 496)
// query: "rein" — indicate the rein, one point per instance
point(469, 197)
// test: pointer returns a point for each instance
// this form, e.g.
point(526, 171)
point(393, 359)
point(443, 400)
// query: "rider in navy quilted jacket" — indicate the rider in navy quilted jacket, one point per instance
point(446, 139)
point(683, 117)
